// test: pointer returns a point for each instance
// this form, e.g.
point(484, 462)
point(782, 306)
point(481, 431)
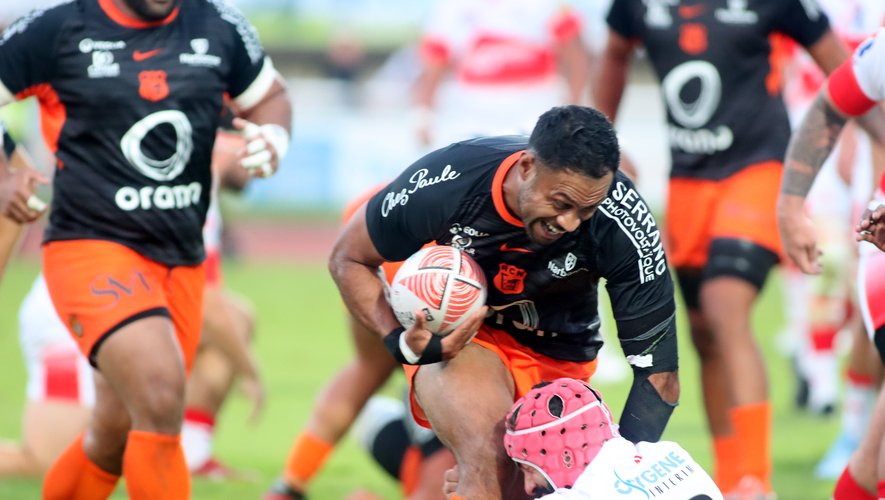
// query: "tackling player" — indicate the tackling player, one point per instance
point(545, 218)
point(728, 130)
point(562, 436)
point(131, 93)
point(851, 91)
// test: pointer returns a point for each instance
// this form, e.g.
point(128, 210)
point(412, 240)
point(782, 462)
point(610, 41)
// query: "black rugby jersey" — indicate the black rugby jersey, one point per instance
point(543, 296)
point(131, 110)
point(713, 59)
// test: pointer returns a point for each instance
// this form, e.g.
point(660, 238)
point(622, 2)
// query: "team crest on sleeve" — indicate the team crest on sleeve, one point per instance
point(152, 85)
point(510, 279)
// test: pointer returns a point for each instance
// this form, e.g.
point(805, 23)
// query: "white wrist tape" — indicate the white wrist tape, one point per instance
point(257, 139)
point(408, 353)
point(278, 137)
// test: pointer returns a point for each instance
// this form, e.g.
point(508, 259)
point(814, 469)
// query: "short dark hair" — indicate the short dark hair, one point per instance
point(576, 138)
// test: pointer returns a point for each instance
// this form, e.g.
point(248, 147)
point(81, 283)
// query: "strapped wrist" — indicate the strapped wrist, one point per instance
point(396, 345)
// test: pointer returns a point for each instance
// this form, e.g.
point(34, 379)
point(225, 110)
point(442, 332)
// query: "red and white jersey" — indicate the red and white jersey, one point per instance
point(659, 471)
point(859, 83)
point(499, 42)
point(56, 368)
point(853, 21)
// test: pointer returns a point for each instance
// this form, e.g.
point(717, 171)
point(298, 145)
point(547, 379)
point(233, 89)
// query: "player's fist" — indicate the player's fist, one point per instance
point(17, 199)
point(265, 145)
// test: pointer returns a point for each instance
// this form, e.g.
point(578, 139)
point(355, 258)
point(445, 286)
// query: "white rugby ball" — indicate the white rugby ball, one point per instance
point(444, 283)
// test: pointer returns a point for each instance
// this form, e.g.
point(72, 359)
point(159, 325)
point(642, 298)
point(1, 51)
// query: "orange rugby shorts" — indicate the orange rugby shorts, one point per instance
point(98, 287)
point(527, 367)
point(741, 206)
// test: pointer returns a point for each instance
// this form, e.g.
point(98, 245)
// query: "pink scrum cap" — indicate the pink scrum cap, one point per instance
point(558, 428)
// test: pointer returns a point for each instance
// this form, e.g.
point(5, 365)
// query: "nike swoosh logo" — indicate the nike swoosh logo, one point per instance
point(506, 248)
point(141, 56)
point(691, 11)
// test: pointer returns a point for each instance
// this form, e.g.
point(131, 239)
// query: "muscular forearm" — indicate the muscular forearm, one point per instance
point(363, 294)
point(810, 147)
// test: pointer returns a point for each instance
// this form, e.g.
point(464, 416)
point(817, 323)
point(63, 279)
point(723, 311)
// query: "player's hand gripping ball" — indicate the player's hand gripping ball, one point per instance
point(444, 283)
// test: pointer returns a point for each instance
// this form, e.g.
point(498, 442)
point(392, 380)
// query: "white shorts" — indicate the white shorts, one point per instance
point(56, 368)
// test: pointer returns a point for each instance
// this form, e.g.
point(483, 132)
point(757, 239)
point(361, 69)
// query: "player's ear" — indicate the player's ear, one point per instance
point(527, 164)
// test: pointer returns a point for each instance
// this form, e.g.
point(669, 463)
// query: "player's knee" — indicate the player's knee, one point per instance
point(161, 406)
point(702, 337)
point(742, 259)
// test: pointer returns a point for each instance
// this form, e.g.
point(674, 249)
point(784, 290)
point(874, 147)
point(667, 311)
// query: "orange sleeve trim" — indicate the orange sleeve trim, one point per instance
point(498, 189)
point(52, 112)
point(121, 18)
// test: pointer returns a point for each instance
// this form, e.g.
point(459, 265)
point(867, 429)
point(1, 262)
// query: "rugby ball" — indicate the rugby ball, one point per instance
point(441, 282)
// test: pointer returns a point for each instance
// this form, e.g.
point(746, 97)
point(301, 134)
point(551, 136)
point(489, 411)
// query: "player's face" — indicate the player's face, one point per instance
point(554, 202)
point(152, 10)
point(535, 483)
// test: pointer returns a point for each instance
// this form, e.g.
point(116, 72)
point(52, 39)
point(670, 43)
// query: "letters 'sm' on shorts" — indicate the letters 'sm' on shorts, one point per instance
point(527, 367)
point(98, 287)
point(741, 206)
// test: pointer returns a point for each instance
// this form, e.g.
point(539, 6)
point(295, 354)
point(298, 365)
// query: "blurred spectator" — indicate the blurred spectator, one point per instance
point(507, 59)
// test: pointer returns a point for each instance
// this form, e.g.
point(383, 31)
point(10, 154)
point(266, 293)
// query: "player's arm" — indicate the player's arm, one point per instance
point(614, 64)
point(12, 158)
point(354, 267)
point(641, 291)
point(848, 92)
point(574, 57)
point(610, 78)
point(259, 97)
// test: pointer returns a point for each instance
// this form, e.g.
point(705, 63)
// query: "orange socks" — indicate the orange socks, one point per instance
point(307, 455)
point(410, 470)
point(726, 452)
point(752, 426)
point(154, 467)
point(747, 452)
point(74, 477)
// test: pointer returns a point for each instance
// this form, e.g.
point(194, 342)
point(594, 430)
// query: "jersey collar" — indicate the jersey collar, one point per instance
point(119, 17)
point(498, 189)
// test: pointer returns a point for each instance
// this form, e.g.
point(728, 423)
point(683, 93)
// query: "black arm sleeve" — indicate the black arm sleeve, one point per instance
point(803, 21)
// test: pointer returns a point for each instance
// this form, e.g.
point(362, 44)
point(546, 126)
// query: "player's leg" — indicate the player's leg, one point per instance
point(228, 326)
point(689, 217)
point(335, 409)
point(714, 382)
point(142, 354)
point(59, 392)
point(409, 453)
point(744, 247)
point(864, 466)
point(91, 465)
point(464, 400)
point(48, 427)
point(863, 374)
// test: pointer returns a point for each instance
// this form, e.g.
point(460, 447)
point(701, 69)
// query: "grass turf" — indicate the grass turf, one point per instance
point(301, 340)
